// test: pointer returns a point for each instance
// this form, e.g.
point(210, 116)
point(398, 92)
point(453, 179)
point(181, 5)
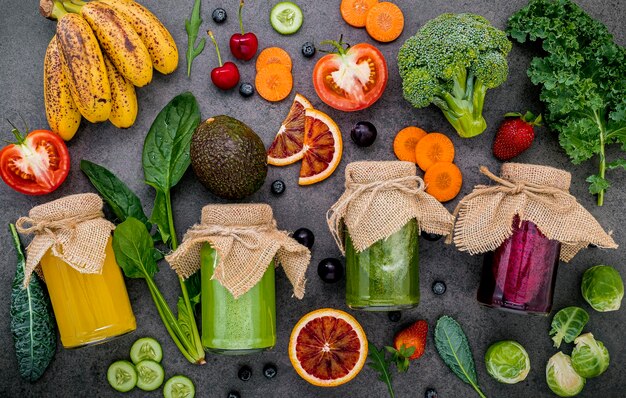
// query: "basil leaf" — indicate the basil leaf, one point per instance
point(166, 147)
point(567, 324)
point(453, 348)
point(122, 201)
point(32, 322)
point(134, 249)
point(159, 216)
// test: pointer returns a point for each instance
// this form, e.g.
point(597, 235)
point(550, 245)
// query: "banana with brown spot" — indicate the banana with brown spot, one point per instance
point(61, 111)
point(155, 36)
point(119, 41)
point(83, 65)
point(123, 98)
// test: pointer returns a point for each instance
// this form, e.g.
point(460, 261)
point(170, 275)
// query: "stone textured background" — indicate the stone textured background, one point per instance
point(24, 36)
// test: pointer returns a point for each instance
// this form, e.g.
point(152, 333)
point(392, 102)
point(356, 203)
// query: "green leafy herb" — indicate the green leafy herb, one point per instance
point(32, 323)
point(567, 324)
point(116, 194)
point(454, 349)
point(192, 26)
point(401, 357)
point(134, 252)
point(582, 79)
point(379, 362)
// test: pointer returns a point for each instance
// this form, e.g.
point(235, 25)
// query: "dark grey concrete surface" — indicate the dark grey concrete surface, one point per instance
point(24, 35)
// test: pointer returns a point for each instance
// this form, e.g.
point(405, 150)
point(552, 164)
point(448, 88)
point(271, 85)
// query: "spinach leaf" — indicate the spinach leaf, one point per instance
point(567, 324)
point(116, 194)
point(159, 216)
point(166, 147)
point(32, 322)
point(192, 26)
point(134, 249)
point(453, 348)
point(378, 361)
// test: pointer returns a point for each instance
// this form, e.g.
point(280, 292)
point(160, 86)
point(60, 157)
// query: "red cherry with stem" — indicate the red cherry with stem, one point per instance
point(243, 45)
point(225, 76)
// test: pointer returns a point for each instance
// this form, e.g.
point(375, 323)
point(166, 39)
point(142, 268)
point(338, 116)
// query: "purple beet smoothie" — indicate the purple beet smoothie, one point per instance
point(520, 275)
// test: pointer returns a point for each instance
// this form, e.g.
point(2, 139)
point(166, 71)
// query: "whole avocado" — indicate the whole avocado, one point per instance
point(228, 157)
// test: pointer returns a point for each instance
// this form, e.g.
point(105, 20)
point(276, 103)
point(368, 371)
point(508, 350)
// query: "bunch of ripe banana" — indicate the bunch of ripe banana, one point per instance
point(102, 50)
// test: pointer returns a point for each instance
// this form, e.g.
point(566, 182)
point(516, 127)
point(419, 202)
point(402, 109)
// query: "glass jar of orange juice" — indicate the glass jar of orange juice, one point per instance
point(72, 245)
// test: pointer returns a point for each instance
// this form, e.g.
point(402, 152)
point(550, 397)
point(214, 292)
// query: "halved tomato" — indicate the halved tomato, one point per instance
point(351, 79)
point(36, 164)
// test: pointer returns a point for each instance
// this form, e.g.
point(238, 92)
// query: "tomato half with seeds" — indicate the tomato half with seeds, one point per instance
point(36, 164)
point(351, 79)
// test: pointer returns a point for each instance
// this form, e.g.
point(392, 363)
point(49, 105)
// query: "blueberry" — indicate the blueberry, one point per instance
point(234, 394)
point(269, 370)
point(430, 237)
point(308, 49)
point(363, 134)
point(304, 236)
point(394, 316)
point(330, 270)
point(246, 90)
point(219, 15)
point(245, 373)
point(439, 288)
point(431, 393)
point(278, 187)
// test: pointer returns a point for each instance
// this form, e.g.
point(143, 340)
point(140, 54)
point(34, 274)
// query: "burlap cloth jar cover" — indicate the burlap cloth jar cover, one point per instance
point(73, 228)
point(380, 198)
point(247, 240)
point(538, 194)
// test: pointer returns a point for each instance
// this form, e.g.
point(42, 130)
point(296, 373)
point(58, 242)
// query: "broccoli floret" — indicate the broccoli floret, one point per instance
point(451, 62)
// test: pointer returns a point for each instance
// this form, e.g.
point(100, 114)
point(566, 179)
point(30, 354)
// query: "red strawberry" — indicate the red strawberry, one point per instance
point(515, 135)
point(409, 344)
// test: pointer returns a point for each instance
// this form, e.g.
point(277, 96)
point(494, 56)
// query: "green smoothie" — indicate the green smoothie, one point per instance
point(236, 326)
point(385, 276)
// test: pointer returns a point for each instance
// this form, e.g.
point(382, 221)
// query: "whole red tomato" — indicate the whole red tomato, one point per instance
point(36, 164)
point(351, 79)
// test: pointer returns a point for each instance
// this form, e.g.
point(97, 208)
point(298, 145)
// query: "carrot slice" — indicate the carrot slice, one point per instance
point(443, 181)
point(433, 148)
point(274, 82)
point(385, 22)
point(405, 142)
point(354, 12)
point(273, 55)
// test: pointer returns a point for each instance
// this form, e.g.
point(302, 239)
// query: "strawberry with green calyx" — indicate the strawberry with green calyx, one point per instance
point(409, 344)
point(515, 135)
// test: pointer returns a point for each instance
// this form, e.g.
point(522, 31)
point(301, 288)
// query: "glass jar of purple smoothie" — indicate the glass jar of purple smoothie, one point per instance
point(520, 275)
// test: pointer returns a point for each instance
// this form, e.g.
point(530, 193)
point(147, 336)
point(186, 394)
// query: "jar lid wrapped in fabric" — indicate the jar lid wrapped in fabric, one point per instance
point(73, 228)
point(247, 240)
point(539, 194)
point(380, 198)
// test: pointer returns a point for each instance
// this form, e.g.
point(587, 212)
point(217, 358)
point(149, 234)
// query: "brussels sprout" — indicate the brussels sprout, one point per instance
point(567, 324)
point(602, 288)
point(590, 357)
point(507, 361)
point(561, 376)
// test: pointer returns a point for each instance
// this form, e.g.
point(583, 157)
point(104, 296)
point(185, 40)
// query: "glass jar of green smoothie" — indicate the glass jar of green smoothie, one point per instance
point(376, 223)
point(385, 276)
point(234, 326)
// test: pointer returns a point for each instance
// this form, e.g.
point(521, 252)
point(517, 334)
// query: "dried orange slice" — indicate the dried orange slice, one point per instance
point(323, 147)
point(328, 347)
point(287, 147)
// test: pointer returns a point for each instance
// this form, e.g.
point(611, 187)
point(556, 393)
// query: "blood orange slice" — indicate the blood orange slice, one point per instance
point(328, 347)
point(322, 149)
point(287, 147)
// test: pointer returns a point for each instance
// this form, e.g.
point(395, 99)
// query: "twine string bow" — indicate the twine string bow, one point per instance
point(27, 225)
point(337, 211)
point(252, 233)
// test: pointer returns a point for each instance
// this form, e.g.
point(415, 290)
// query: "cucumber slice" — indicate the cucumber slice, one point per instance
point(150, 375)
point(286, 18)
point(122, 376)
point(146, 348)
point(179, 387)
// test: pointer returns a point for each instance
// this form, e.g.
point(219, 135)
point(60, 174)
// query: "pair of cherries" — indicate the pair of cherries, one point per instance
point(243, 46)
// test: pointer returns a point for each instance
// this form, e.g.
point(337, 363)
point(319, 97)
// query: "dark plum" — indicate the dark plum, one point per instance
point(363, 134)
point(304, 236)
point(330, 270)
